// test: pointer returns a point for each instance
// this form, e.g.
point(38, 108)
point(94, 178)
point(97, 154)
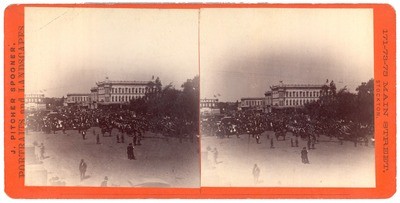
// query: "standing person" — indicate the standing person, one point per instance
point(297, 142)
point(104, 183)
point(272, 143)
point(41, 147)
point(304, 156)
point(129, 151)
point(309, 144)
point(97, 139)
point(258, 138)
point(256, 173)
point(291, 142)
point(82, 169)
point(84, 134)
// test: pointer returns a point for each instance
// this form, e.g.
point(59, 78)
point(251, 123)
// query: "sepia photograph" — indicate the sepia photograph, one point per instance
point(112, 97)
point(200, 101)
point(287, 98)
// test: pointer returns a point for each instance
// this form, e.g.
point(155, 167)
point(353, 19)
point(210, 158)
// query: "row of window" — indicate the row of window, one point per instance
point(303, 94)
point(33, 100)
point(255, 103)
point(298, 102)
point(125, 98)
point(132, 90)
point(207, 104)
point(80, 99)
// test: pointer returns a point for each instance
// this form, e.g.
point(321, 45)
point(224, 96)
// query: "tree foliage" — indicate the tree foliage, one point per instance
point(344, 105)
point(170, 102)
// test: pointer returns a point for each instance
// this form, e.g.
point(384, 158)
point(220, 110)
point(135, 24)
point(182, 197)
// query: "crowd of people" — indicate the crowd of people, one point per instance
point(126, 122)
point(301, 125)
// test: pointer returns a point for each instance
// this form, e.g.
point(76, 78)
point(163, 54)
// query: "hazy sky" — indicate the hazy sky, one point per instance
point(244, 51)
point(69, 49)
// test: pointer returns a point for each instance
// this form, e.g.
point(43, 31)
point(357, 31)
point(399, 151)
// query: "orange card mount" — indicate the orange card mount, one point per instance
point(99, 135)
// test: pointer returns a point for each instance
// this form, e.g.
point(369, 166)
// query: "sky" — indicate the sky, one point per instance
point(242, 51)
point(245, 51)
point(68, 50)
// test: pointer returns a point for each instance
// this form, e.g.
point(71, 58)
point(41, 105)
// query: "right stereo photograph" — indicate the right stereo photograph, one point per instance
point(286, 98)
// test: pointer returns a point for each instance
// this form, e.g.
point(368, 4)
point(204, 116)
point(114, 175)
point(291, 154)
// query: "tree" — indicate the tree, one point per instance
point(190, 98)
point(365, 102)
point(170, 102)
point(345, 105)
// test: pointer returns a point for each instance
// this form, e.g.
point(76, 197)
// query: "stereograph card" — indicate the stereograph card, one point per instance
point(200, 101)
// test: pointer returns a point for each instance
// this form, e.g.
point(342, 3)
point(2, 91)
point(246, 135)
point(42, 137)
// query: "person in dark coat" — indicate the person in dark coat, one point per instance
point(129, 151)
point(272, 143)
point(84, 134)
point(82, 169)
point(304, 156)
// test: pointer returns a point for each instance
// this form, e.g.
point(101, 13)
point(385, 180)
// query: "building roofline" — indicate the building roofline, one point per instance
point(78, 94)
point(296, 86)
point(123, 82)
point(252, 98)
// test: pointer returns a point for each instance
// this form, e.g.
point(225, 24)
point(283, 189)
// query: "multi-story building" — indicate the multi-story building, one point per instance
point(208, 103)
point(77, 99)
point(256, 103)
point(34, 102)
point(294, 95)
point(119, 92)
point(209, 107)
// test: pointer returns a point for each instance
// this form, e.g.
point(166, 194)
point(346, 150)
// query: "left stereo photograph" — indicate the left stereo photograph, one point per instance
point(112, 97)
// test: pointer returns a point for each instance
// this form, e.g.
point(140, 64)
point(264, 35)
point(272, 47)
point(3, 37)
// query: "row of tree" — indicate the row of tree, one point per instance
point(342, 104)
point(170, 102)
